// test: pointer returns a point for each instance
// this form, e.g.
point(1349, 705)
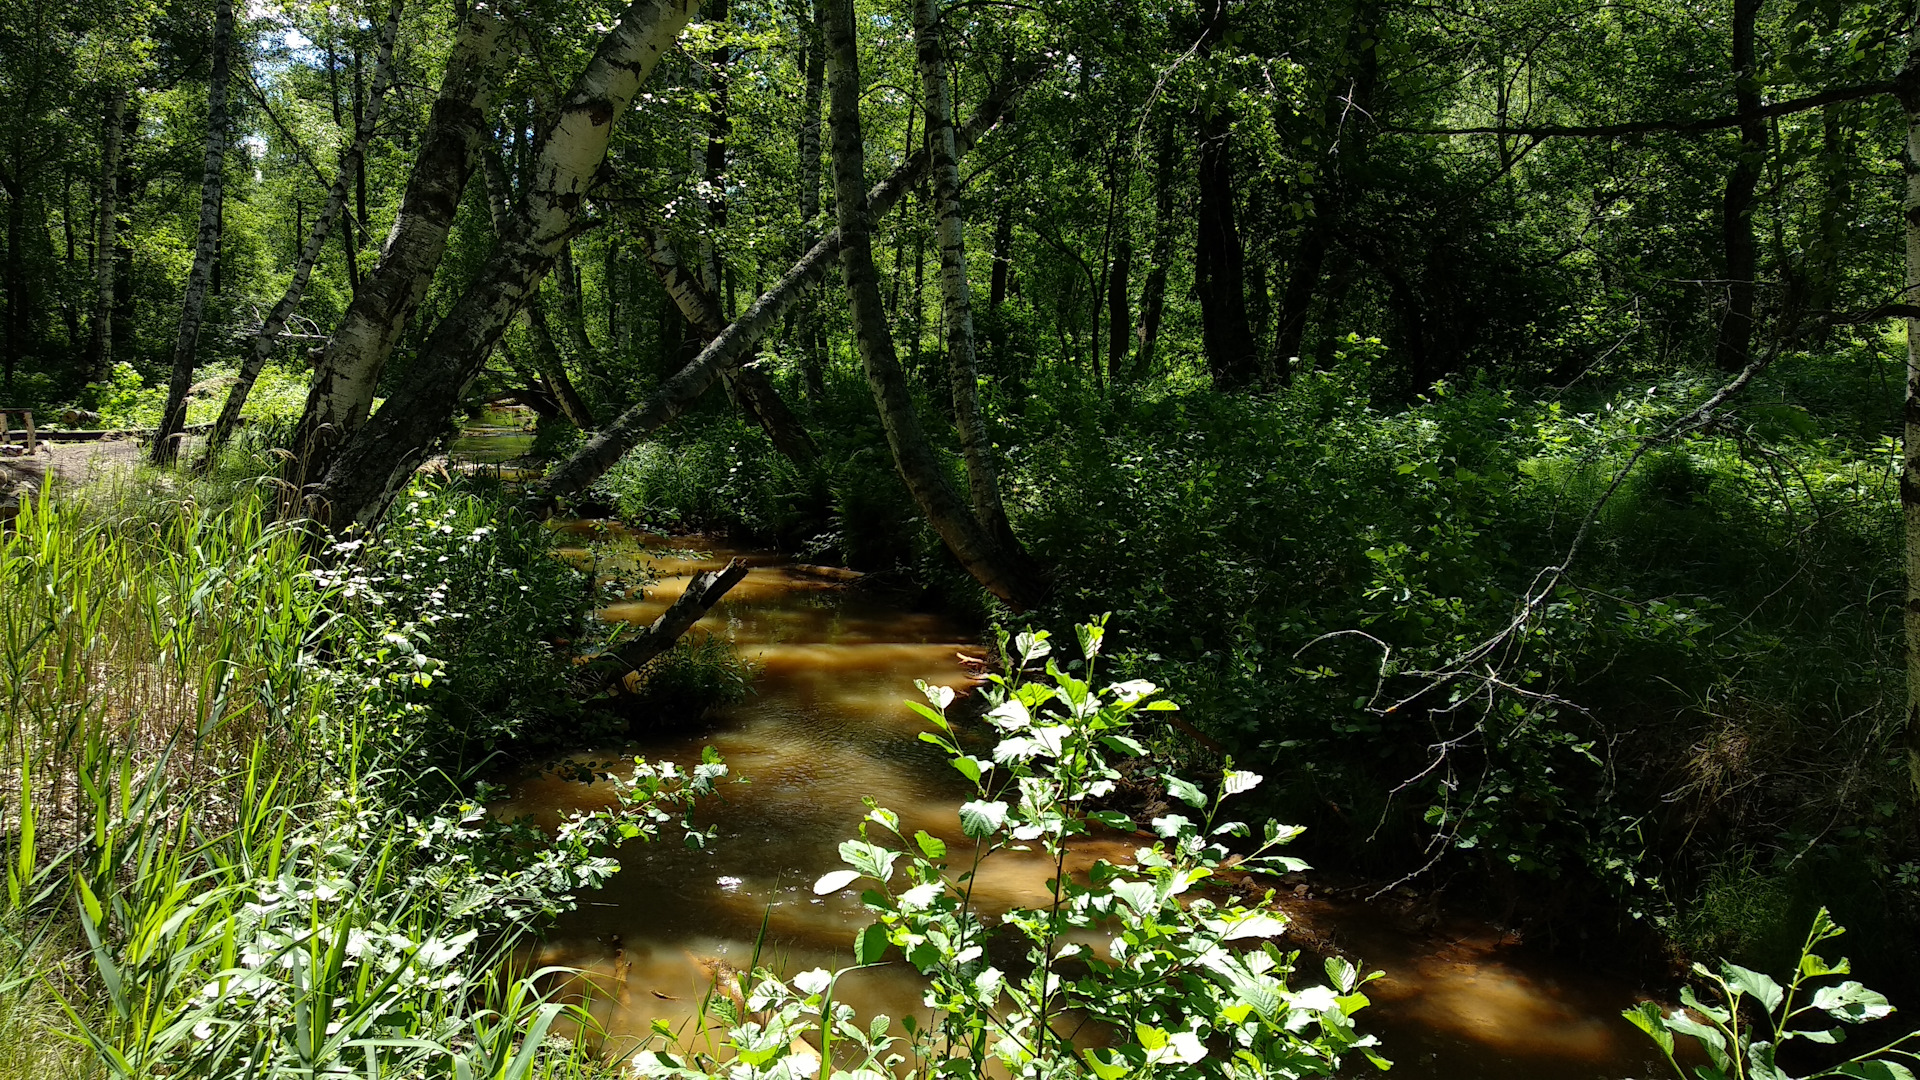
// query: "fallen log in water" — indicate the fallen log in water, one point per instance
point(609, 670)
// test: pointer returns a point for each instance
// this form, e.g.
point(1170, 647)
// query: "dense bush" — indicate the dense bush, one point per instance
point(1335, 585)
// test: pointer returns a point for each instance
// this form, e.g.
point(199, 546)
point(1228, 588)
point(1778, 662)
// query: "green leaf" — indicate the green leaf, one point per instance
point(1875, 1070)
point(1648, 1018)
point(1107, 1064)
point(870, 859)
point(980, 819)
point(1708, 1037)
point(930, 845)
point(871, 945)
point(1138, 895)
point(1112, 819)
point(1851, 1002)
point(1761, 987)
point(970, 767)
point(1184, 791)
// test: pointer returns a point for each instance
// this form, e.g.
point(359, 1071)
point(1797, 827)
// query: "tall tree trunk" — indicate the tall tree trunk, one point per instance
point(1736, 217)
point(675, 395)
point(350, 161)
point(713, 270)
point(956, 290)
point(997, 281)
point(17, 322)
point(552, 368)
point(1909, 93)
point(573, 322)
point(212, 188)
point(1153, 291)
point(1835, 170)
point(1005, 573)
point(372, 467)
point(1219, 273)
point(1119, 317)
point(349, 366)
point(814, 61)
point(106, 244)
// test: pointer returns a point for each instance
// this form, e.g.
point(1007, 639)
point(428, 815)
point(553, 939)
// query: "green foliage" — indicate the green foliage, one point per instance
point(450, 612)
point(214, 794)
point(1190, 984)
point(1746, 1029)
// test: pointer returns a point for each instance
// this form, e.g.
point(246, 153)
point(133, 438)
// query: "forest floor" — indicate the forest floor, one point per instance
point(70, 463)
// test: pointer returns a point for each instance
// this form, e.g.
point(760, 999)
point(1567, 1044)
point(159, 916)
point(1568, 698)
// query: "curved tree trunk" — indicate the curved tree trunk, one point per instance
point(743, 335)
point(548, 363)
point(373, 466)
point(350, 364)
point(351, 160)
point(213, 169)
point(1003, 572)
point(956, 292)
point(754, 392)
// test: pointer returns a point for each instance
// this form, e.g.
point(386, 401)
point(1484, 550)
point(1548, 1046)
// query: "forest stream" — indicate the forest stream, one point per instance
point(825, 728)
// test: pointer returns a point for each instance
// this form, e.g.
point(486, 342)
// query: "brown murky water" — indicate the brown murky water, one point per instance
point(825, 729)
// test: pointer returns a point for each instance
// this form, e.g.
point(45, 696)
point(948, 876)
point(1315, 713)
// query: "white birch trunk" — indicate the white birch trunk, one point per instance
point(212, 189)
point(1003, 571)
point(350, 163)
point(742, 336)
point(372, 467)
point(956, 292)
point(1909, 92)
point(350, 364)
point(106, 238)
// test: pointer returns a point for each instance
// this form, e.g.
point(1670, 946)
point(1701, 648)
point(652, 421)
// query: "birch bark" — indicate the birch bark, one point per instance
point(213, 168)
point(106, 247)
point(350, 364)
point(956, 291)
point(1002, 571)
point(364, 476)
point(739, 339)
point(351, 160)
point(755, 393)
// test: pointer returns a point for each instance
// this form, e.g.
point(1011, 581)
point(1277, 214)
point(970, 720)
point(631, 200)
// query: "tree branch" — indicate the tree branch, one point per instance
point(1824, 98)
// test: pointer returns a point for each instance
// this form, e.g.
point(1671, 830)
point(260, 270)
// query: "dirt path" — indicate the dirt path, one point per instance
point(69, 463)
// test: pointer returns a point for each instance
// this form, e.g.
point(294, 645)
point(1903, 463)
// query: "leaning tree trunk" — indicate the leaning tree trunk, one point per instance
point(734, 344)
point(755, 392)
point(212, 176)
point(551, 367)
point(1004, 572)
point(349, 365)
point(106, 247)
point(349, 167)
point(956, 292)
point(373, 466)
point(1736, 217)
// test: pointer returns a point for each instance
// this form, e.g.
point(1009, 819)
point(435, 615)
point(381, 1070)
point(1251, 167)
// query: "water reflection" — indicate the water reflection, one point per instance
point(825, 729)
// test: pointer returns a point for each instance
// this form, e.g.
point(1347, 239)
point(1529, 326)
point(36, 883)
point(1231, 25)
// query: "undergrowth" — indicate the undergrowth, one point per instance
point(1706, 695)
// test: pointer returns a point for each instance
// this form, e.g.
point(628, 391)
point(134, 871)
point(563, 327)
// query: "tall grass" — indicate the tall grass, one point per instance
point(211, 869)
